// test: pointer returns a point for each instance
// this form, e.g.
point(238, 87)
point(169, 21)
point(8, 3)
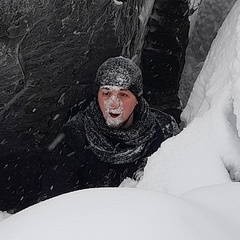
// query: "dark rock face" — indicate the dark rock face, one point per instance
point(164, 54)
point(49, 53)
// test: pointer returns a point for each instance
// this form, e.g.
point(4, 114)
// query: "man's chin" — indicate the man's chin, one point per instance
point(114, 125)
point(114, 122)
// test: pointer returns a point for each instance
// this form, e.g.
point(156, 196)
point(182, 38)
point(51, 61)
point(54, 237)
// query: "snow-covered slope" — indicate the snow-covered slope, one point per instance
point(197, 156)
point(204, 25)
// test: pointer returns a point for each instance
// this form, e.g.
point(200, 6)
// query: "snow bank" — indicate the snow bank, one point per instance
point(197, 156)
point(204, 25)
point(117, 213)
point(4, 215)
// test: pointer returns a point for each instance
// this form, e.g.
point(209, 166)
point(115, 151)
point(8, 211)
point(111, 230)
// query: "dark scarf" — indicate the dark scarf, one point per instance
point(119, 146)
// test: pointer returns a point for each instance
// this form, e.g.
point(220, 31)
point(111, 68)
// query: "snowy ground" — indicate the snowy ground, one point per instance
point(124, 213)
point(186, 191)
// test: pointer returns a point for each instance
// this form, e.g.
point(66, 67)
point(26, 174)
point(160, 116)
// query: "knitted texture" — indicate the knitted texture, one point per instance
point(121, 72)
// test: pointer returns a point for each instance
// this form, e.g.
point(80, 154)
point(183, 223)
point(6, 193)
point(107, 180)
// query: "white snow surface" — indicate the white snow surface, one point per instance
point(125, 213)
point(186, 191)
point(209, 146)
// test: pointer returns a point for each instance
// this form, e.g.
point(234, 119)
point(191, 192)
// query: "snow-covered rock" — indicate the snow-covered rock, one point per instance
point(209, 147)
point(204, 25)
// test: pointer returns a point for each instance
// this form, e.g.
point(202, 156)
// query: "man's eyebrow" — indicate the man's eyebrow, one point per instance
point(123, 89)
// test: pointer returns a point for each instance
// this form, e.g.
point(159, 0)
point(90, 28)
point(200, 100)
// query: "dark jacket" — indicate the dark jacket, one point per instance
point(73, 165)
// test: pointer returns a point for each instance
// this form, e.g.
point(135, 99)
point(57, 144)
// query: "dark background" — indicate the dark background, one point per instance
point(49, 54)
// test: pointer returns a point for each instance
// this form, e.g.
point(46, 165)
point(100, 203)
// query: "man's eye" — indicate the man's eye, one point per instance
point(106, 93)
point(122, 94)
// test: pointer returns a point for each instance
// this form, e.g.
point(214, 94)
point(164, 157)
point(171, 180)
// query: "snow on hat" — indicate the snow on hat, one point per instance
point(121, 72)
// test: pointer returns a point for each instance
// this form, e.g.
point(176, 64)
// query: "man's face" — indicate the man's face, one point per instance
point(117, 106)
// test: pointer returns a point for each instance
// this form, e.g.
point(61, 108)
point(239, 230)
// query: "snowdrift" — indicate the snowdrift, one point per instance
point(124, 213)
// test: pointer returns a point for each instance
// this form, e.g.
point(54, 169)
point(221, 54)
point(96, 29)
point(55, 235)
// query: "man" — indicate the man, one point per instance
point(111, 139)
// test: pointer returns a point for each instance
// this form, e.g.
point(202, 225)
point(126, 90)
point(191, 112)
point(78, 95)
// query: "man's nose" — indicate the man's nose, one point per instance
point(114, 102)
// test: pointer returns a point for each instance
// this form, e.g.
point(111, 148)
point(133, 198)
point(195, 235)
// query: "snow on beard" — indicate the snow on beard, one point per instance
point(113, 116)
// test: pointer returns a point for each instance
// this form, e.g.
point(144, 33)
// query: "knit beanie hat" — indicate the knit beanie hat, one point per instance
point(121, 72)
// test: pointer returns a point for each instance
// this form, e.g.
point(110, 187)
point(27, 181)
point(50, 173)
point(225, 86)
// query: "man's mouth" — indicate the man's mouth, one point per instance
point(114, 115)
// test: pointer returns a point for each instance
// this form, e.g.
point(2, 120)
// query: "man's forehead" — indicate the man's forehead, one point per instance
point(113, 88)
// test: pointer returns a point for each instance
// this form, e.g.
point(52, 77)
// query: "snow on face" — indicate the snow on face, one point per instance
point(113, 106)
point(113, 115)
